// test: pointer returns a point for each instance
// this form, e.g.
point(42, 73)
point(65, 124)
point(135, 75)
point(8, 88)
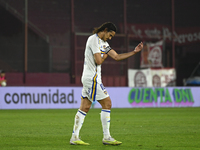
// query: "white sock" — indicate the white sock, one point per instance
point(105, 120)
point(78, 122)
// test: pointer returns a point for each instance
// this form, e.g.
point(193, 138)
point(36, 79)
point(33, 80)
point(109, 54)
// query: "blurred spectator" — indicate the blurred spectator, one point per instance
point(2, 78)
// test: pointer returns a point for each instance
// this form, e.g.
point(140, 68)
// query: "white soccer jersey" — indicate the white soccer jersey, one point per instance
point(94, 45)
point(93, 88)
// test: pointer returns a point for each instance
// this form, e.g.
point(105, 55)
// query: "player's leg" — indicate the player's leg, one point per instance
point(105, 116)
point(78, 122)
point(105, 119)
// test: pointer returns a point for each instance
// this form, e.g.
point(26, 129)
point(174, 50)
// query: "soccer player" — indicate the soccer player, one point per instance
point(96, 51)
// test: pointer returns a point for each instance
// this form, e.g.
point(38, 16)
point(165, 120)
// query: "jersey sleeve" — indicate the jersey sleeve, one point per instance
point(94, 45)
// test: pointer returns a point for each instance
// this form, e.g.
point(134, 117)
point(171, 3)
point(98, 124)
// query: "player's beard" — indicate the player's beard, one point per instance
point(104, 38)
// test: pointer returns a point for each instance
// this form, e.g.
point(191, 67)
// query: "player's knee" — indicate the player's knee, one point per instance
point(107, 106)
point(86, 108)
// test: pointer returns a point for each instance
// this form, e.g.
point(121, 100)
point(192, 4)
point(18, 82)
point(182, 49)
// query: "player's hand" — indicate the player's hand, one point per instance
point(139, 47)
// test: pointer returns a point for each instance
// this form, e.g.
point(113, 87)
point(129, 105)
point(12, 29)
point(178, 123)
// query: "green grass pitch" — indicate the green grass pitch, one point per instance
point(137, 128)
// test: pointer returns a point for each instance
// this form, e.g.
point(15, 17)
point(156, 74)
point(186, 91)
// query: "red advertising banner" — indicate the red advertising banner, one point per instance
point(182, 35)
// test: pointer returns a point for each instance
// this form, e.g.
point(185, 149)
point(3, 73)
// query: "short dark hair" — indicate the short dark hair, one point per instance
point(107, 25)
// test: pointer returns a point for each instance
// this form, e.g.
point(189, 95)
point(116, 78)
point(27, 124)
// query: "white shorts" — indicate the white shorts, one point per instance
point(93, 90)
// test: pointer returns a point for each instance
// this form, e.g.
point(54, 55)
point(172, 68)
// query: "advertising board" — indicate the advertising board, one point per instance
point(122, 97)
